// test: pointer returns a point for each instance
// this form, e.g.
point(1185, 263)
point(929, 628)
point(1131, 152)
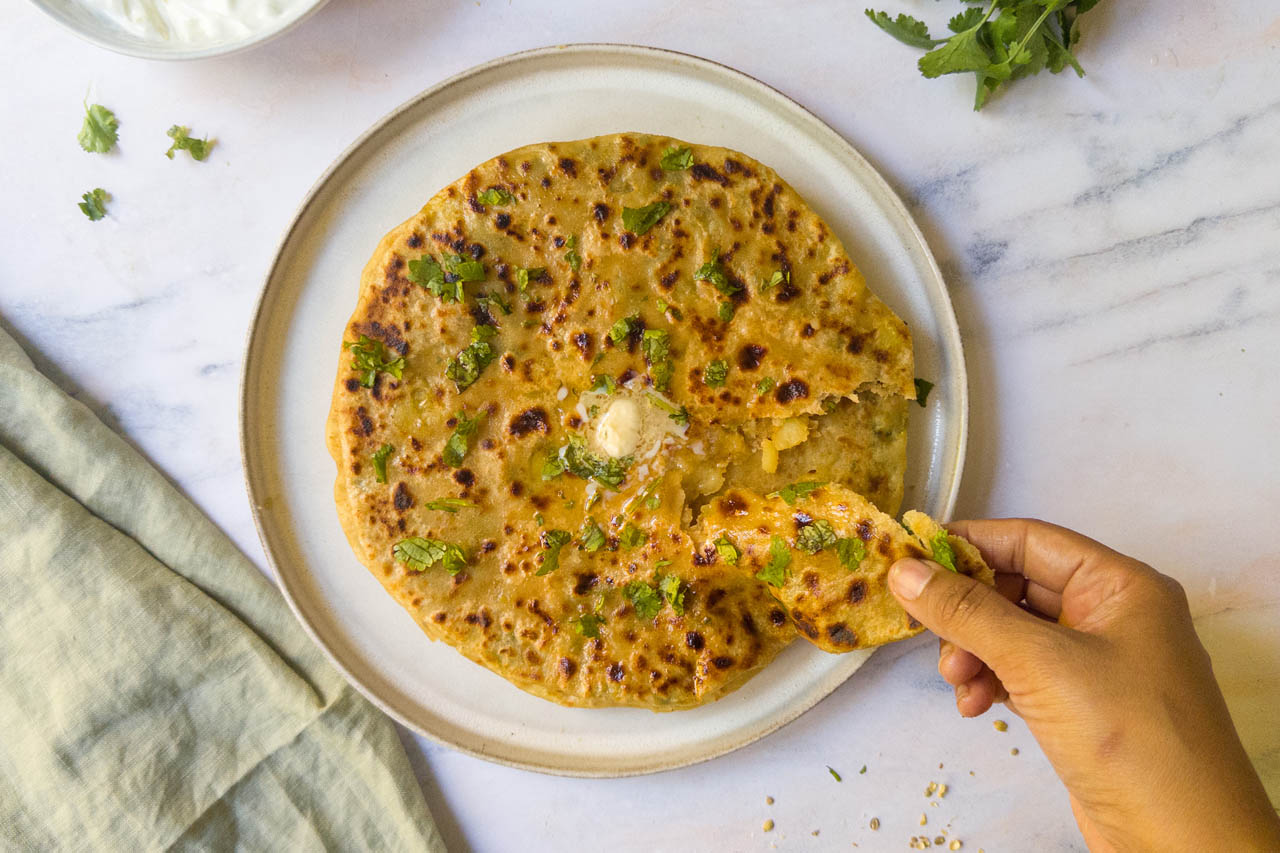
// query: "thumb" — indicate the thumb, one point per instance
point(967, 612)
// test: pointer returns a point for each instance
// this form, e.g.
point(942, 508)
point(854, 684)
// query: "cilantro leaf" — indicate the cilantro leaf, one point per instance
point(962, 52)
point(943, 555)
point(713, 271)
point(587, 624)
point(622, 328)
point(428, 274)
point(100, 130)
point(644, 598)
point(815, 536)
point(726, 311)
point(966, 20)
point(774, 572)
point(727, 550)
point(676, 159)
point(632, 536)
point(716, 373)
point(678, 414)
point(575, 458)
point(459, 442)
point(183, 141)
point(465, 269)
point(851, 553)
point(524, 276)
point(923, 387)
point(380, 462)
point(495, 197)
point(591, 537)
point(487, 300)
point(464, 368)
point(419, 554)
point(778, 277)
point(94, 205)
point(552, 542)
point(673, 591)
point(655, 344)
point(370, 357)
point(764, 386)
point(904, 28)
point(449, 504)
point(603, 383)
point(796, 491)
point(638, 220)
point(571, 257)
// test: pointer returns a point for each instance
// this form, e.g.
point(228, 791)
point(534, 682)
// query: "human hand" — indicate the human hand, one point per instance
point(1097, 653)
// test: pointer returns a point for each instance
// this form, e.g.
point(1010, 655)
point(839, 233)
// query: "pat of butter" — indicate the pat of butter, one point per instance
point(618, 432)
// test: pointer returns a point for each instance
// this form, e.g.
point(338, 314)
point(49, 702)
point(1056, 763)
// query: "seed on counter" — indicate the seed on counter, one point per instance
point(1001, 726)
point(814, 833)
point(875, 824)
point(1013, 751)
point(768, 825)
point(768, 801)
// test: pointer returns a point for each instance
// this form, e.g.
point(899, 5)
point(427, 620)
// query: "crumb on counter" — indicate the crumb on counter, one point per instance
point(768, 801)
point(1001, 726)
point(768, 825)
point(875, 824)
point(1013, 751)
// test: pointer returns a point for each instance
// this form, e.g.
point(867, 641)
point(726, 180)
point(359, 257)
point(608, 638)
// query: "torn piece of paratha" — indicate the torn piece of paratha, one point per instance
point(825, 552)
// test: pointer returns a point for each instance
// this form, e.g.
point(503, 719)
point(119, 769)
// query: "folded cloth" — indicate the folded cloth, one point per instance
point(155, 691)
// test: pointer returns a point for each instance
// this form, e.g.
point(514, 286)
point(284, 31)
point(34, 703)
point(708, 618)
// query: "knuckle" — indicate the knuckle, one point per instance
point(960, 602)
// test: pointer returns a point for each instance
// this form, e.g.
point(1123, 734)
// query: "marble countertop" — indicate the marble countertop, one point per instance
point(1112, 245)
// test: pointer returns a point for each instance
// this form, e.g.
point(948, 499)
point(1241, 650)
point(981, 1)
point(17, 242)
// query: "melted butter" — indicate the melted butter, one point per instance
point(618, 431)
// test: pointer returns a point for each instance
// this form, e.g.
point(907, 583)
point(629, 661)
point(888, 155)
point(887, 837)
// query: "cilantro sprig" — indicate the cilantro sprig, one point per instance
point(370, 357)
point(774, 572)
point(100, 130)
point(419, 554)
point(94, 205)
point(184, 141)
point(999, 41)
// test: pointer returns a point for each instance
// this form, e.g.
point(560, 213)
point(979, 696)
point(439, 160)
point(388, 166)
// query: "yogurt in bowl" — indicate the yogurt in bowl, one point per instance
point(178, 29)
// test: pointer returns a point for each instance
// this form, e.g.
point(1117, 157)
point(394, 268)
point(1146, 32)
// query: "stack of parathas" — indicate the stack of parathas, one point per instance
point(584, 409)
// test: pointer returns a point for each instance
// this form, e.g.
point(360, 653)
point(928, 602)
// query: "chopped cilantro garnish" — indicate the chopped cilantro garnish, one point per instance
point(94, 205)
point(638, 220)
point(571, 257)
point(487, 301)
point(727, 550)
point(778, 277)
point(449, 504)
point(370, 357)
point(726, 311)
point(796, 491)
point(538, 519)
point(552, 542)
point(495, 197)
point(587, 624)
point(465, 269)
point(631, 537)
point(619, 331)
point(833, 773)
point(678, 414)
point(676, 159)
point(183, 141)
point(713, 271)
point(851, 553)
point(716, 373)
point(380, 462)
point(923, 387)
point(943, 554)
point(419, 554)
point(655, 344)
point(524, 276)
point(575, 458)
point(100, 130)
point(591, 537)
point(830, 404)
point(673, 591)
point(427, 273)
point(815, 536)
point(464, 369)
point(644, 598)
point(764, 386)
point(455, 449)
point(653, 501)
point(774, 572)
point(863, 770)
point(603, 382)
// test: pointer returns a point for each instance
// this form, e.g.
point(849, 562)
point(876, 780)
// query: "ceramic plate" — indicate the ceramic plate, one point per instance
point(387, 175)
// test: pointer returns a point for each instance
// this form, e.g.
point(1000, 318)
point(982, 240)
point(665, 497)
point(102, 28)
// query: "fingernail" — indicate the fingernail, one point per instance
point(962, 691)
point(908, 577)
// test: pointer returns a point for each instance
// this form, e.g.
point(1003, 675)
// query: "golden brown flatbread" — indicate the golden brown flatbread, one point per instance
point(557, 361)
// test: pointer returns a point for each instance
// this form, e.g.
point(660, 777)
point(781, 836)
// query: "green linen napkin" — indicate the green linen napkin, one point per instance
point(155, 690)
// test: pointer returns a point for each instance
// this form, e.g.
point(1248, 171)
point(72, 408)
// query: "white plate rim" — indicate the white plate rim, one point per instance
point(950, 344)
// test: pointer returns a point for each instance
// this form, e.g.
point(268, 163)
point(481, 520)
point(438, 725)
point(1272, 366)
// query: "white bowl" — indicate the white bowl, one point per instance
point(97, 29)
